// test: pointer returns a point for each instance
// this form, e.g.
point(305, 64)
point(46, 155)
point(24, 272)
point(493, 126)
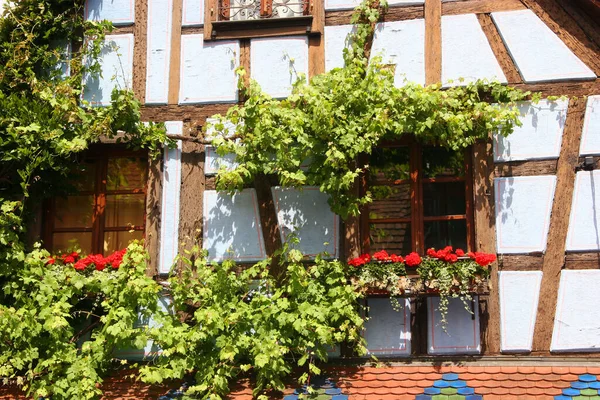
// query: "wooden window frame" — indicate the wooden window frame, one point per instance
point(311, 24)
point(101, 154)
point(417, 218)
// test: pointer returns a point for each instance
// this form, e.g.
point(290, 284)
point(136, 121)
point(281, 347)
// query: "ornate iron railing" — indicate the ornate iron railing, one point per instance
point(244, 10)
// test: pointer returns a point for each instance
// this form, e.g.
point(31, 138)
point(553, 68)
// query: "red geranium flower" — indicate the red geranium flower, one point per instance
point(116, 258)
point(396, 259)
point(412, 260)
point(451, 258)
point(79, 265)
point(460, 252)
point(381, 255)
point(356, 262)
point(483, 259)
point(50, 261)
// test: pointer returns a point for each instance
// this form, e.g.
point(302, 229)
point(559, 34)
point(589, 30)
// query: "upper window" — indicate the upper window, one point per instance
point(107, 209)
point(243, 19)
point(422, 198)
point(242, 10)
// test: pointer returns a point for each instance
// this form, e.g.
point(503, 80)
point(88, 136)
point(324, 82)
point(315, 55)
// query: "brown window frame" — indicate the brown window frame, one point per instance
point(416, 181)
point(101, 154)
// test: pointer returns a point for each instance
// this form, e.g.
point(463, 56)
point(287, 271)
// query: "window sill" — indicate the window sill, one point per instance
point(262, 28)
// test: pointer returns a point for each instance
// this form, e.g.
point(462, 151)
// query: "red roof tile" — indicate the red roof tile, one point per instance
point(399, 382)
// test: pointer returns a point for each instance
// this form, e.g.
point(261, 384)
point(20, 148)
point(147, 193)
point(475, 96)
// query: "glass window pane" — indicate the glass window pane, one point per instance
point(390, 164)
point(69, 241)
point(444, 199)
point(390, 201)
point(114, 241)
point(394, 238)
point(73, 211)
point(124, 210)
point(438, 162)
point(83, 175)
point(439, 234)
point(127, 173)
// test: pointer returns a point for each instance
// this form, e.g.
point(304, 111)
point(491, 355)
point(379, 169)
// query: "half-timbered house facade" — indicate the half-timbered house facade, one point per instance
point(533, 198)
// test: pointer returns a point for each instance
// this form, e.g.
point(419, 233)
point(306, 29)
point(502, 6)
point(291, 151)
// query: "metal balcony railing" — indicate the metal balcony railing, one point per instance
point(245, 10)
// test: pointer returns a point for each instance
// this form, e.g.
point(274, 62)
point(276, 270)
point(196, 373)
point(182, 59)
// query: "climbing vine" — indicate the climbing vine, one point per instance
point(62, 319)
point(327, 123)
point(59, 326)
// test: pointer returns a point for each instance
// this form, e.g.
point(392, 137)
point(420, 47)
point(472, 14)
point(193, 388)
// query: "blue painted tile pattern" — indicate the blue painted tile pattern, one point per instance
point(450, 386)
point(586, 386)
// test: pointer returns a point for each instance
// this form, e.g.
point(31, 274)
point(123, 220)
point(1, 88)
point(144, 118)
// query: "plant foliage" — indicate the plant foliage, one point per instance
point(59, 326)
point(60, 322)
point(236, 322)
point(327, 123)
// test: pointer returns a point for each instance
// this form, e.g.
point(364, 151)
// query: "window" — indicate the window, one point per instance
point(107, 208)
point(422, 198)
point(242, 10)
point(245, 19)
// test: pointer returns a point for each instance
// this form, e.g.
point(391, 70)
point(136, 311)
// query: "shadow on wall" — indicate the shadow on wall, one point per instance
point(595, 211)
point(231, 228)
point(305, 213)
point(540, 117)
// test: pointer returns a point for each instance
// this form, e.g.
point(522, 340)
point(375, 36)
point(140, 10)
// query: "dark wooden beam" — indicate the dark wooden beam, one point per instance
point(499, 48)
point(554, 258)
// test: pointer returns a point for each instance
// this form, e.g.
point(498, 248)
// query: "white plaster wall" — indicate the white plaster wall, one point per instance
point(540, 137)
point(462, 333)
point(584, 222)
point(577, 321)
point(192, 13)
point(150, 350)
point(466, 52)
point(537, 52)
point(387, 331)
point(523, 207)
point(119, 12)
point(214, 162)
point(158, 51)
point(306, 213)
point(350, 4)
point(519, 295)
point(335, 42)
point(171, 186)
point(590, 139)
point(116, 62)
point(208, 70)
point(402, 43)
point(275, 63)
point(232, 228)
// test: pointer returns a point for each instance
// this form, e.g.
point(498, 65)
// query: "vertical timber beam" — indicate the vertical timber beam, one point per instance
point(433, 41)
point(191, 203)
point(554, 258)
point(485, 238)
point(316, 55)
point(153, 208)
point(174, 69)
point(140, 44)
point(268, 220)
point(245, 63)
